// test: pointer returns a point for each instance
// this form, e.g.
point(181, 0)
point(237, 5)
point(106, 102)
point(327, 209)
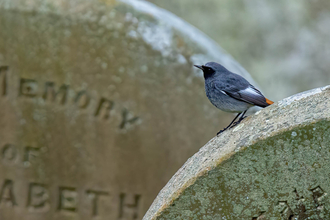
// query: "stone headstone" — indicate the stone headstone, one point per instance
point(274, 165)
point(100, 105)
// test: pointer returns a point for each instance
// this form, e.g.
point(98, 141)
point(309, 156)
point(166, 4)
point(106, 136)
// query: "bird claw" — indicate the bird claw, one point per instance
point(243, 118)
point(237, 122)
point(221, 131)
point(234, 124)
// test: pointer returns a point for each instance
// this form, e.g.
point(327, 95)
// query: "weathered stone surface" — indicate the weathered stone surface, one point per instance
point(275, 165)
point(100, 105)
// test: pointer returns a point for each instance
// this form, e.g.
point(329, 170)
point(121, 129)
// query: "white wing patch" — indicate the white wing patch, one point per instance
point(252, 91)
point(223, 92)
point(253, 95)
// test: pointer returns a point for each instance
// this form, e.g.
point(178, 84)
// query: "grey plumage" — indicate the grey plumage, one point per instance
point(230, 92)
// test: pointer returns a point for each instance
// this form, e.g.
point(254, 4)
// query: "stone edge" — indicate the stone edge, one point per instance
point(222, 147)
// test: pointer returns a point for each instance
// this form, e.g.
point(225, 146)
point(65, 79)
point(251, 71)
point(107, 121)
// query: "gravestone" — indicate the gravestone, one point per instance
point(100, 105)
point(274, 165)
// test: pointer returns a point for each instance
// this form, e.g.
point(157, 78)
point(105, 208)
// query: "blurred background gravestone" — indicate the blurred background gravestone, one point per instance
point(100, 105)
point(284, 45)
point(274, 165)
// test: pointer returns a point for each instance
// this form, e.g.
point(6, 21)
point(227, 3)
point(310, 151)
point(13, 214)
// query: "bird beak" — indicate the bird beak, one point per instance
point(199, 67)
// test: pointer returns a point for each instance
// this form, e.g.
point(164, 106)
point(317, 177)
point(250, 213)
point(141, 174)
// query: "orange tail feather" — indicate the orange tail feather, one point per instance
point(269, 102)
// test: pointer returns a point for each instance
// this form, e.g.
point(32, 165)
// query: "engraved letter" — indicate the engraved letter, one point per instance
point(29, 154)
point(7, 194)
point(68, 199)
point(104, 108)
point(9, 153)
point(38, 198)
point(95, 198)
point(51, 94)
point(127, 120)
point(3, 75)
point(126, 210)
point(82, 99)
point(28, 87)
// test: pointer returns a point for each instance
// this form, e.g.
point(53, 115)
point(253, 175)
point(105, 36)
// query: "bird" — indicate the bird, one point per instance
point(230, 92)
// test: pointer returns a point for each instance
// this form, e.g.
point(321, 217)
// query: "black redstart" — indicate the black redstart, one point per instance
point(230, 92)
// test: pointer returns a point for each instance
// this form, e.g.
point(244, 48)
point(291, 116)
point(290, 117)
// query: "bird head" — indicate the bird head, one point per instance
point(211, 68)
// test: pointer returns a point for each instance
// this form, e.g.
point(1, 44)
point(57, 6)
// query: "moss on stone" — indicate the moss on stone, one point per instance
point(290, 168)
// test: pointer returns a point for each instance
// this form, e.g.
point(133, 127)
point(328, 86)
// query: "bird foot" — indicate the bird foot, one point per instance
point(243, 118)
point(237, 122)
point(221, 131)
point(233, 125)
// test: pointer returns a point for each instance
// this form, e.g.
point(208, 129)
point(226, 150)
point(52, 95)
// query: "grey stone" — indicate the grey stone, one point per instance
point(274, 165)
point(100, 105)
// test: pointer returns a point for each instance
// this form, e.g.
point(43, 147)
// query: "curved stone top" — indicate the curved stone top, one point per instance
point(295, 111)
point(212, 49)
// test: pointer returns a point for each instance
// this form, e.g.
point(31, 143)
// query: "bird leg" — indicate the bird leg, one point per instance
point(240, 119)
point(230, 123)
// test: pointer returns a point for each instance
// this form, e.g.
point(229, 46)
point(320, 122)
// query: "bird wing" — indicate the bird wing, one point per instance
point(250, 95)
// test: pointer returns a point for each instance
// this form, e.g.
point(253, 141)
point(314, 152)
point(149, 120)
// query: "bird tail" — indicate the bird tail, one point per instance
point(269, 102)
